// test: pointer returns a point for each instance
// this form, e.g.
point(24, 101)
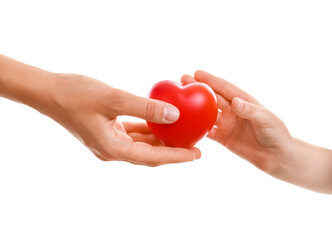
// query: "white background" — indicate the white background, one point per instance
point(51, 187)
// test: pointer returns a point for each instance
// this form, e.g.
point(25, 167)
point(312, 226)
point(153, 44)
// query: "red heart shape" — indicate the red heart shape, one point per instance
point(198, 112)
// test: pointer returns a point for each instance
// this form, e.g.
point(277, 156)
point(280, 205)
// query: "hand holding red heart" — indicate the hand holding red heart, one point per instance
point(248, 129)
point(89, 108)
point(245, 126)
point(198, 112)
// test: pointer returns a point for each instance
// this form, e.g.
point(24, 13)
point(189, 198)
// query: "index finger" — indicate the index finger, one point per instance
point(223, 87)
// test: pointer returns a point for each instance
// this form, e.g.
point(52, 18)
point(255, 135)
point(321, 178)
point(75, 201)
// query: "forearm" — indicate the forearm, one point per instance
point(25, 84)
point(310, 167)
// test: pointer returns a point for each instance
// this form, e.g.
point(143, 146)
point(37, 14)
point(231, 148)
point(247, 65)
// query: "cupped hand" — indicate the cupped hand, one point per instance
point(89, 108)
point(246, 127)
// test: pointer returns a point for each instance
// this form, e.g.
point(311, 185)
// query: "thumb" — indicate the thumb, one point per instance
point(149, 109)
point(259, 115)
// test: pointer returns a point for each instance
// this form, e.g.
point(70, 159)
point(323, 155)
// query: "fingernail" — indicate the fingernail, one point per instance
point(171, 114)
point(197, 155)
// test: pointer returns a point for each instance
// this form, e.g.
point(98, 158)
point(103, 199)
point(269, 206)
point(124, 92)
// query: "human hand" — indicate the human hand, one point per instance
point(89, 108)
point(246, 127)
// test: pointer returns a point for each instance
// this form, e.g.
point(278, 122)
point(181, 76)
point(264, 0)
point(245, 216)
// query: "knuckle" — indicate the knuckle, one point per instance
point(248, 109)
point(117, 102)
point(267, 119)
point(75, 76)
point(150, 109)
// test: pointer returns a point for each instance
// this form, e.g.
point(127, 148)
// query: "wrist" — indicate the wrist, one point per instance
point(285, 159)
point(41, 93)
point(54, 98)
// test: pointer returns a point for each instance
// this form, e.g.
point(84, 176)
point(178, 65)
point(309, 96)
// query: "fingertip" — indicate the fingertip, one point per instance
point(186, 76)
point(197, 153)
point(185, 79)
point(259, 115)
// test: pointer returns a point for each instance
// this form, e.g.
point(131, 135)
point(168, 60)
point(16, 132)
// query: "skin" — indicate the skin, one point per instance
point(248, 129)
point(88, 109)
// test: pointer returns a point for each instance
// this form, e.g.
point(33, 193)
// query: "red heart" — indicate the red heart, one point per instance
point(198, 112)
